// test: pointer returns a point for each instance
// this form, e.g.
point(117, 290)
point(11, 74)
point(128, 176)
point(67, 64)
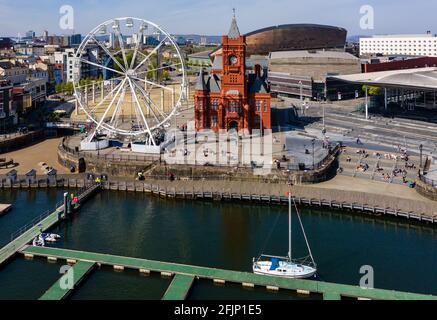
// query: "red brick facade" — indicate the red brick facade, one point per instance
point(421, 62)
point(230, 98)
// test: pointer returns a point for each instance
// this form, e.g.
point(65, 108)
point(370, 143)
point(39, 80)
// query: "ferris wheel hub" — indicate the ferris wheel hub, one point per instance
point(131, 73)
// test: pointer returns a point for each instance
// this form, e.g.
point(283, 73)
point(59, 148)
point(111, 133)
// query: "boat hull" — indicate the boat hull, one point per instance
point(283, 269)
point(289, 276)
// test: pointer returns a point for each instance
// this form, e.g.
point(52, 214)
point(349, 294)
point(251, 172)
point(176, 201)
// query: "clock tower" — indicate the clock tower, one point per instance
point(234, 60)
point(234, 85)
point(230, 96)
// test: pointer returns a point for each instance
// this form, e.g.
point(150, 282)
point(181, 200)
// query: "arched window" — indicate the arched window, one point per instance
point(234, 106)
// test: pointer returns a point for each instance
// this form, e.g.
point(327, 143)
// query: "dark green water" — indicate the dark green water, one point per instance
point(226, 235)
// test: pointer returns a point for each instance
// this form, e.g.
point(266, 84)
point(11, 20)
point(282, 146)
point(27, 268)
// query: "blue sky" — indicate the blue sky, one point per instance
point(212, 17)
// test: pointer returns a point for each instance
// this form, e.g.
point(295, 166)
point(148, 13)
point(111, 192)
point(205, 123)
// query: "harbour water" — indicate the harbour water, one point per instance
point(222, 235)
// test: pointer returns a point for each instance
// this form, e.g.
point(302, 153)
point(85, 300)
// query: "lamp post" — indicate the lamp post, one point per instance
point(421, 155)
point(367, 103)
point(313, 143)
point(301, 97)
point(324, 126)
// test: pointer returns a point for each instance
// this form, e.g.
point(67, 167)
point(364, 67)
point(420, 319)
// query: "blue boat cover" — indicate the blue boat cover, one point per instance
point(275, 264)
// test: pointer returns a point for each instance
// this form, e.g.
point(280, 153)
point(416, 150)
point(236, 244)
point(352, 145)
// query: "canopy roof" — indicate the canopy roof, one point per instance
point(419, 79)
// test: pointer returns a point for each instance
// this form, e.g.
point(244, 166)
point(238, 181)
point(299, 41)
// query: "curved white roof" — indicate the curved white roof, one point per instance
point(419, 78)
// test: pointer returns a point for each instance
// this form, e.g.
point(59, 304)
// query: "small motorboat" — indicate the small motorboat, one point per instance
point(50, 237)
point(38, 241)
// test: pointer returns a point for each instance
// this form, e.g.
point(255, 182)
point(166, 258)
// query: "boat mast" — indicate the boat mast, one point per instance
point(289, 223)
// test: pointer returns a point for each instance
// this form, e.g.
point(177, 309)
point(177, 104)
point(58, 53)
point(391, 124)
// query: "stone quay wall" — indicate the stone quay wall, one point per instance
point(155, 168)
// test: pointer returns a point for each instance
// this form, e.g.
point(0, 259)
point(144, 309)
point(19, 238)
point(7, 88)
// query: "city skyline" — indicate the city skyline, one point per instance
point(193, 17)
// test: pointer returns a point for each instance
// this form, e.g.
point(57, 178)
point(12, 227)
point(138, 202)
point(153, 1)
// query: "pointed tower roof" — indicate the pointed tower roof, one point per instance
point(258, 85)
point(201, 84)
point(234, 32)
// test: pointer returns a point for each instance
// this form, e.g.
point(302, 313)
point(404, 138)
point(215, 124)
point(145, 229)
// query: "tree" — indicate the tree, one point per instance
point(165, 75)
point(372, 90)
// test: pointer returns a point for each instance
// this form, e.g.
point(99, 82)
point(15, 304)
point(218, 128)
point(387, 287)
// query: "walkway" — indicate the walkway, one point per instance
point(41, 224)
point(62, 288)
point(33, 156)
point(4, 208)
point(15, 245)
point(180, 285)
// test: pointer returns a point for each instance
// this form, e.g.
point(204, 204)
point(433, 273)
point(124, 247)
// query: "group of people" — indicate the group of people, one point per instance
point(363, 152)
point(397, 172)
point(363, 167)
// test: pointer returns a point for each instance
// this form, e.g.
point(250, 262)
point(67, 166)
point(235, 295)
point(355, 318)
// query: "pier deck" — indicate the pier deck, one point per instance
point(4, 208)
point(12, 247)
point(62, 288)
point(28, 233)
point(328, 290)
point(179, 287)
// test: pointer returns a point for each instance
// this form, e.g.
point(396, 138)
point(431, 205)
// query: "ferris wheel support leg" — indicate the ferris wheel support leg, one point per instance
point(162, 100)
point(94, 92)
point(173, 97)
point(148, 99)
point(76, 107)
point(102, 91)
point(86, 94)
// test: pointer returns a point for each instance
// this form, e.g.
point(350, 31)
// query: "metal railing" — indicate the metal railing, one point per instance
point(431, 182)
point(83, 192)
point(111, 157)
point(34, 222)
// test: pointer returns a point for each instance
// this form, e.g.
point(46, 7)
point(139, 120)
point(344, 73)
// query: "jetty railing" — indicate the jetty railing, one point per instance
point(431, 182)
point(107, 157)
point(37, 220)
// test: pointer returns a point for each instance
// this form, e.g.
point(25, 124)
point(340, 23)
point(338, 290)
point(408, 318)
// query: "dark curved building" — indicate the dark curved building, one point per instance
point(295, 37)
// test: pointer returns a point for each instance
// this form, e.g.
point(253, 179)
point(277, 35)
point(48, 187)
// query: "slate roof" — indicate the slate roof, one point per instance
point(258, 85)
point(201, 83)
point(213, 83)
point(234, 32)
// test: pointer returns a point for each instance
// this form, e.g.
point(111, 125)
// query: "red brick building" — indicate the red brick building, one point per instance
point(230, 97)
point(421, 62)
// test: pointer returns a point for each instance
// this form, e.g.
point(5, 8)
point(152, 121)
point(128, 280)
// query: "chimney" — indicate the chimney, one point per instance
point(258, 70)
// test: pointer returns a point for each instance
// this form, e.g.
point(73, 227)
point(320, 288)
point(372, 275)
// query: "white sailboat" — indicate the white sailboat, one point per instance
point(287, 267)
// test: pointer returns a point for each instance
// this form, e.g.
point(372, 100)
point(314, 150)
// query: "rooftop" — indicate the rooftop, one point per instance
point(418, 78)
point(296, 26)
point(312, 54)
point(234, 32)
point(423, 35)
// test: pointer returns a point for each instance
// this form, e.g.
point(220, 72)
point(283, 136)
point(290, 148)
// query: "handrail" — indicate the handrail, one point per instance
point(80, 194)
point(30, 225)
point(431, 182)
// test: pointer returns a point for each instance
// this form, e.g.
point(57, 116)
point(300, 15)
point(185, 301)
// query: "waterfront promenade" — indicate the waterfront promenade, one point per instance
point(33, 156)
point(340, 189)
point(343, 191)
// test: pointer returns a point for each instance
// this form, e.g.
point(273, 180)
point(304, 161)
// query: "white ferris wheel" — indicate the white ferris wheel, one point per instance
point(135, 88)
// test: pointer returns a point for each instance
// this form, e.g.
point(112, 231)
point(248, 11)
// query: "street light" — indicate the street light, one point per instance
point(324, 126)
point(421, 155)
point(301, 96)
point(313, 142)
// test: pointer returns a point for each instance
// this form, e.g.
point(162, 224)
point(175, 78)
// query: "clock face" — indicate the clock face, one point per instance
point(233, 60)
